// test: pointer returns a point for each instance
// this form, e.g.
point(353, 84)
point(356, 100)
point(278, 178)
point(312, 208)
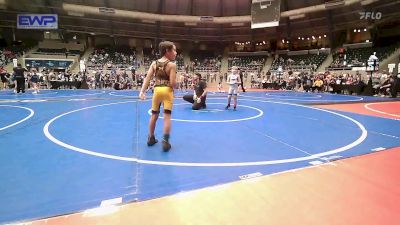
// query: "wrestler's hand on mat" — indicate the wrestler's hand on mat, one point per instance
point(142, 96)
point(195, 97)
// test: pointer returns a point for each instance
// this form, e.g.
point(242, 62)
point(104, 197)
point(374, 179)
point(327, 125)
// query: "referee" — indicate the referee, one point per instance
point(19, 75)
point(241, 80)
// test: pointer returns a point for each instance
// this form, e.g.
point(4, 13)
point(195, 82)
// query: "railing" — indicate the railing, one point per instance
point(54, 53)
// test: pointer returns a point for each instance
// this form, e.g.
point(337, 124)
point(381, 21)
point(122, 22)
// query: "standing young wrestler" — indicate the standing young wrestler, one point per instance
point(233, 80)
point(241, 80)
point(164, 71)
point(34, 81)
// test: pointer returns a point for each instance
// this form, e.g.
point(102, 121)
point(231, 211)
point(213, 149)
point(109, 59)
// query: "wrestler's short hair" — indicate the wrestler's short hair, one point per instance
point(165, 46)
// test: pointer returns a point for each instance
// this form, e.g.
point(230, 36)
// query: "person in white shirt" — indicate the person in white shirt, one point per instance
point(373, 62)
point(233, 80)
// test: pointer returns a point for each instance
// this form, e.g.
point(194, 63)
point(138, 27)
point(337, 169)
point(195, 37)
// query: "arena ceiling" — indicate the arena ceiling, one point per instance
point(315, 23)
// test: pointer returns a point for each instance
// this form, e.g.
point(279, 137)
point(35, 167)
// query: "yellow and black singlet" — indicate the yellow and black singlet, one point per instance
point(163, 92)
point(161, 76)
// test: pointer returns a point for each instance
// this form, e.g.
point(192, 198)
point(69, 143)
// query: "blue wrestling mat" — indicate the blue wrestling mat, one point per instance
point(65, 151)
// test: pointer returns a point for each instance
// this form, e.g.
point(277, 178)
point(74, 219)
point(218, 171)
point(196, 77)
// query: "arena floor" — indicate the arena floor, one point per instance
point(85, 152)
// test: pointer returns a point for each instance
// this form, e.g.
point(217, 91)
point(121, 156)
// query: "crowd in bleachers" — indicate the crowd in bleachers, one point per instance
point(308, 62)
point(113, 68)
point(247, 63)
point(180, 65)
point(149, 56)
point(9, 53)
point(113, 57)
point(205, 63)
point(358, 57)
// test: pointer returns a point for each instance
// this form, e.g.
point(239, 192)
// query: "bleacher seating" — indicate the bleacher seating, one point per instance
point(205, 61)
point(357, 57)
point(180, 65)
point(149, 56)
point(9, 53)
point(62, 51)
point(113, 57)
point(299, 62)
point(247, 63)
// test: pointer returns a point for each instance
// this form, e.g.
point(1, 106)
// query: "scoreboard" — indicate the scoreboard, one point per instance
point(265, 13)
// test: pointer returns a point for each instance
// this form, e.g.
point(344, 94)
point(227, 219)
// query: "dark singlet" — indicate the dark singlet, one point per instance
point(34, 78)
point(162, 78)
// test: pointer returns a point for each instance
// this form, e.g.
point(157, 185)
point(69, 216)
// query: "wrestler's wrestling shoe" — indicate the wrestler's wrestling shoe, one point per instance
point(166, 146)
point(151, 141)
point(165, 143)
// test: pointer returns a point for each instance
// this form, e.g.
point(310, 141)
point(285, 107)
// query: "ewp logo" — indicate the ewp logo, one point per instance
point(370, 15)
point(37, 21)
